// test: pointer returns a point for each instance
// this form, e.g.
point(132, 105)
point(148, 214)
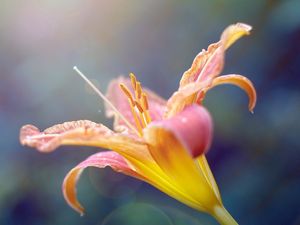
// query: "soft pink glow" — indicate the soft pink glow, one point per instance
point(193, 126)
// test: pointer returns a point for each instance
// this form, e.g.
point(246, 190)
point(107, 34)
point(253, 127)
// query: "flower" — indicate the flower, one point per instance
point(160, 142)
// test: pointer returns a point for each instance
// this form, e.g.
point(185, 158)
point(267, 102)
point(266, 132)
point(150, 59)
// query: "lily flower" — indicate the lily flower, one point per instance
point(160, 142)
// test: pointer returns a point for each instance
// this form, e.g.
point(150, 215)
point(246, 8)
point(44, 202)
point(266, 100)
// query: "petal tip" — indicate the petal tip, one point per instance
point(252, 101)
point(69, 190)
point(79, 210)
point(234, 32)
point(246, 27)
point(26, 131)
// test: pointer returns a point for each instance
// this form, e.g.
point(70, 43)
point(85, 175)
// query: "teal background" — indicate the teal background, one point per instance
point(255, 158)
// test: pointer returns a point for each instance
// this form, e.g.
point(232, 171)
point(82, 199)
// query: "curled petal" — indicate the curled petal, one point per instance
point(209, 63)
point(120, 101)
point(187, 95)
point(240, 81)
point(99, 160)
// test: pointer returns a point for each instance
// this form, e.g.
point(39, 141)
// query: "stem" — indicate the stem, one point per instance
point(223, 216)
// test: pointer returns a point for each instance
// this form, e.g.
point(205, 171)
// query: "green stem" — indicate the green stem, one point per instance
point(223, 216)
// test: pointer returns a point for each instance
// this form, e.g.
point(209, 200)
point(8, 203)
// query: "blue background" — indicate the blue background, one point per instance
point(255, 158)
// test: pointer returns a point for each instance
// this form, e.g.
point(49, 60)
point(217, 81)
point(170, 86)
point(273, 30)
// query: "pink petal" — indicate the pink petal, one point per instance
point(193, 127)
point(100, 160)
point(209, 63)
point(51, 138)
point(120, 101)
point(84, 133)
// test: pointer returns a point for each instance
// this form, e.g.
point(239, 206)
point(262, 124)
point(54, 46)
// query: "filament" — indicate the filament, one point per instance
point(102, 96)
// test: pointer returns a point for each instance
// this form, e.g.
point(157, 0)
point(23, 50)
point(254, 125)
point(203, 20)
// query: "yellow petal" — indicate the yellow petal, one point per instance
point(233, 32)
point(240, 81)
point(208, 175)
point(158, 178)
point(174, 160)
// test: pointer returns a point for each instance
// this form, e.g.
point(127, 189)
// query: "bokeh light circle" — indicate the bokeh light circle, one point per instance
point(137, 214)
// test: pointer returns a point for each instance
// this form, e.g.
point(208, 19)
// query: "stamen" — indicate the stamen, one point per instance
point(142, 113)
point(138, 90)
point(136, 119)
point(147, 117)
point(139, 106)
point(105, 99)
point(133, 80)
point(145, 105)
point(144, 101)
point(138, 103)
point(126, 92)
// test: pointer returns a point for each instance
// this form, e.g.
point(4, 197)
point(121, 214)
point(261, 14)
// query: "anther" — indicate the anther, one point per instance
point(133, 80)
point(135, 117)
point(138, 90)
point(142, 113)
point(145, 105)
point(126, 92)
point(139, 107)
point(144, 101)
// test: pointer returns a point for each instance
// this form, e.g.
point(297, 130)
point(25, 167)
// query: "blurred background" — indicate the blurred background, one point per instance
point(255, 158)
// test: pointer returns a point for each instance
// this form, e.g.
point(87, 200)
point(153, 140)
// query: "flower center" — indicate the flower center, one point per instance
point(138, 103)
